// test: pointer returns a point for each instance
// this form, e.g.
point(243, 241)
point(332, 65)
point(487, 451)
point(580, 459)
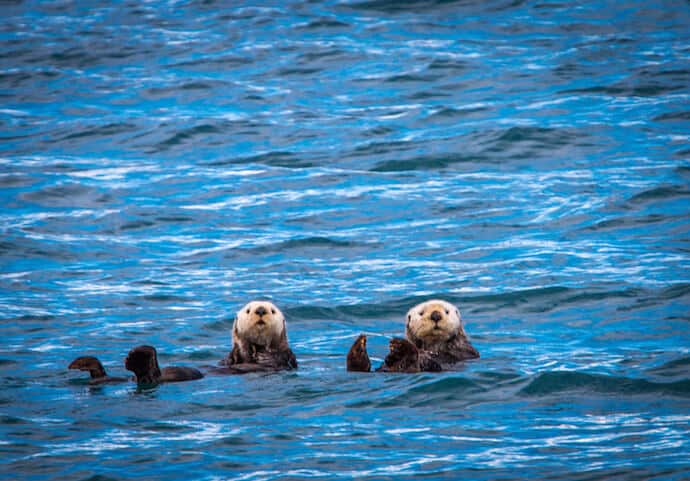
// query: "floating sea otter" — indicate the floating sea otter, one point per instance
point(96, 369)
point(435, 340)
point(435, 328)
point(143, 362)
point(259, 340)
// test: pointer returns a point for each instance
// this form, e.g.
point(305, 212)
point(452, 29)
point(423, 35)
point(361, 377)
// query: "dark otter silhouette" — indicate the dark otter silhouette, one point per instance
point(143, 362)
point(357, 357)
point(96, 370)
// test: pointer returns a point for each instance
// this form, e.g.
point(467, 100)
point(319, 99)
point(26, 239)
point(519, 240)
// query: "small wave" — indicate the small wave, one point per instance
point(307, 242)
point(630, 222)
point(450, 113)
point(106, 130)
point(213, 63)
point(67, 195)
point(480, 147)
point(323, 23)
point(545, 136)
point(393, 6)
point(660, 192)
point(13, 181)
point(274, 159)
point(430, 393)
point(616, 90)
point(678, 115)
point(186, 135)
point(435, 162)
point(297, 71)
point(556, 382)
point(412, 77)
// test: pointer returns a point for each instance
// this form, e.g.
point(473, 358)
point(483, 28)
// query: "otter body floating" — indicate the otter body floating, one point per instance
point(143, 362)
point(96, 370)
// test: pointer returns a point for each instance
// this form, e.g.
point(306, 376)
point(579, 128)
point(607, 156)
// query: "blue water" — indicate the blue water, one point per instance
point(162, 163)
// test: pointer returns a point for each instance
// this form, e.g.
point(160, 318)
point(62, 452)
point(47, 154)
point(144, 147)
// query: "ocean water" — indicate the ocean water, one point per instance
point(163, 163)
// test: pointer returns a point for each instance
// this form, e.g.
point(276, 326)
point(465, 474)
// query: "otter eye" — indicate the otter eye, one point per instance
point(273, 311)
point(409, 317)
point(447, 312)
point(421, 313)
point(247, 310)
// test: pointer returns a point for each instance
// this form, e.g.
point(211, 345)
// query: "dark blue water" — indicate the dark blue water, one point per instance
point(162, 163)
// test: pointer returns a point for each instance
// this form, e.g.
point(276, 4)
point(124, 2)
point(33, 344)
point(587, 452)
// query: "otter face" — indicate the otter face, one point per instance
point(433, 322)
point(260, 322)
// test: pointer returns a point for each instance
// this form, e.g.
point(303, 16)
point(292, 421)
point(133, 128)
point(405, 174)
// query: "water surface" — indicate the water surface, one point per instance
point(162, 163)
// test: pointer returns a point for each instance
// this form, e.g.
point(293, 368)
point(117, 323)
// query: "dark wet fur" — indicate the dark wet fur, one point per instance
point(143, 362)
point(357, 357)
point(248, 357)
point(403, 356)
point(96, 370)
point(456, 349)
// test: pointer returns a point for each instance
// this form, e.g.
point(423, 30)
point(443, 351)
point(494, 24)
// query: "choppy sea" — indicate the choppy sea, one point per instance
point(163, 163)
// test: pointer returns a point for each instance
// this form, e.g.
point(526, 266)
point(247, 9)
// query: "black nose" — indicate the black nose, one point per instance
point(261, 311)
point(436, 316)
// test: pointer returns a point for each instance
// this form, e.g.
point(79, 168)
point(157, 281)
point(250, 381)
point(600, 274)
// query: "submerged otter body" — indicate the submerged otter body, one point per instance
point(143, 362)
point(259, 340)
point(436, 329)
point(96, 370)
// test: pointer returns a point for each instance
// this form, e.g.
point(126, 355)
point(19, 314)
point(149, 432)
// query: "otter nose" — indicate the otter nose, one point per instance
point(261, 311)
point(436, 316)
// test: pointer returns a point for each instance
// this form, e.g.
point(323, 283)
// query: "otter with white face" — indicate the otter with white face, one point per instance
point(435, 328)
point(259, 339)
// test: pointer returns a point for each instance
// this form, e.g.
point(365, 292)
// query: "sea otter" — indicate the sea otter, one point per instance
point(435, 340)
point(143, 362)
point(435, 328)
point(259, 340)
point(96, 369)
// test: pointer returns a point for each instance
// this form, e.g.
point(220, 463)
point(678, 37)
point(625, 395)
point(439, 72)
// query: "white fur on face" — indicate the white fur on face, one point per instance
point(421, 325)
point(259, 322)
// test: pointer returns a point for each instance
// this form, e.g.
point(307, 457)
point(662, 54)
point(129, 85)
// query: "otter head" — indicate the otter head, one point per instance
point(433, 323)
point(88, 363)
point(260, 323)
point(143, 362)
